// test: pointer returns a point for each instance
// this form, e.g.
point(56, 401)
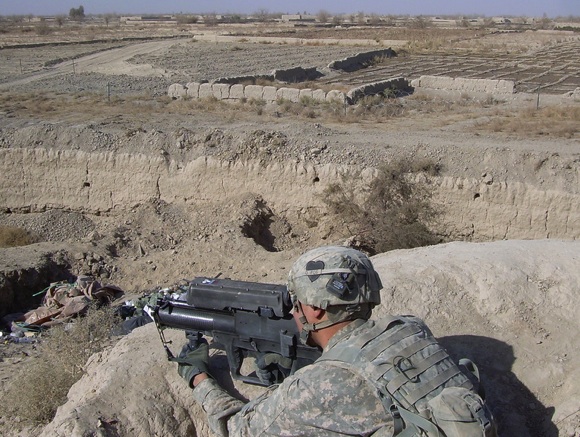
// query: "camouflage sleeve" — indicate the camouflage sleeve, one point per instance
point(319, 400)
point(218, 404)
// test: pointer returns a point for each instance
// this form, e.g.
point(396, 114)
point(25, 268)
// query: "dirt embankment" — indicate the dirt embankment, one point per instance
point(501, 304)
point(487, 191)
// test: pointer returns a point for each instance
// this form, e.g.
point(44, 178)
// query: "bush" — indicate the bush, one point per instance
point(77, 14)
point(393, 211)
point(14, 237)
point(187, 19)
point(43, 29)
point(42, 383)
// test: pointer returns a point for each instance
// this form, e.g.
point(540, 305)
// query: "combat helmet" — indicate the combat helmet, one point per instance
point(338, 279)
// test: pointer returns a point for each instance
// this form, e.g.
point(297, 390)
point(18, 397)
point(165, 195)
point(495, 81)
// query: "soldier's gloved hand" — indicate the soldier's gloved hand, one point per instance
point(193, 358)
point(272, 368)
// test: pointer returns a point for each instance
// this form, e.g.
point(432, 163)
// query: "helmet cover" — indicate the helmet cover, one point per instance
point(334, 276)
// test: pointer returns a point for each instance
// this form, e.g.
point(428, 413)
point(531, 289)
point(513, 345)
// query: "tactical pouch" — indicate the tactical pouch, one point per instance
point(456, 410)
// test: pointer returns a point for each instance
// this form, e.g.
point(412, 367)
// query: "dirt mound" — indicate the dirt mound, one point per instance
point(54, 225)
point(503, 304)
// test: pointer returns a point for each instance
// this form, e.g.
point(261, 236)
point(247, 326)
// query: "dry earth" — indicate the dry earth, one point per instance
point(143, 192)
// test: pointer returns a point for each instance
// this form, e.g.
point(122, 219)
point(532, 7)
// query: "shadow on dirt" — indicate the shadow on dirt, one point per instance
point(516, 409)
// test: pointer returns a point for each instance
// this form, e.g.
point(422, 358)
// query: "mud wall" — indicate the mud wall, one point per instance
point(490, 86)
point(271, 94)
point(373, 88)
point(237, 92)
point(360, 60)
point(37, 179)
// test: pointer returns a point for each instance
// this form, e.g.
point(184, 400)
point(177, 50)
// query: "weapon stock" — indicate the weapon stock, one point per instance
point(247, 318)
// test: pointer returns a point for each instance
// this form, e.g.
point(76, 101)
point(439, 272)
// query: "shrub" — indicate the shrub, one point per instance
point(14, 237)
point(391, 212)
point(43, 29)
point(187, 19)
point(43, 382)
point(558, 121)
point(77, 14)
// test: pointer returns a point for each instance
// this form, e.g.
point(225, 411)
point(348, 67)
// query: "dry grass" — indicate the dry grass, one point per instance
point(392, 211)
point(42, 384)
point(14, 237)
point(561, 122)
point(555, 121)
point(79, 107)
point(378, 108)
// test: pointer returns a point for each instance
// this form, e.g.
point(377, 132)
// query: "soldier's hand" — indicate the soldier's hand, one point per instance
point(193, 358)
point(272, 368)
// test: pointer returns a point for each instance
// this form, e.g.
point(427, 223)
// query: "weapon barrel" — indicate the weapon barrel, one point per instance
point(182, 316)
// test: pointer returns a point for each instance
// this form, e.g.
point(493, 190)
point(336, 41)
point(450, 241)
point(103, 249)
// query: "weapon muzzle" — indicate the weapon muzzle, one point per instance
point(174, 315)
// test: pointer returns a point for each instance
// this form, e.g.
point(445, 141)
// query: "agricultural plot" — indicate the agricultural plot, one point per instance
point(554, 69)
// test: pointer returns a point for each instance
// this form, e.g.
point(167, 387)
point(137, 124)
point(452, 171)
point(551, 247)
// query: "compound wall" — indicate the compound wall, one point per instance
point(490, 86)
point(238, 92)
point(270, 94)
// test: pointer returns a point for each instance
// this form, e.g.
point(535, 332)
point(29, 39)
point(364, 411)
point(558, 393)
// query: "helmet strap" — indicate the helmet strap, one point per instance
point(308, 327)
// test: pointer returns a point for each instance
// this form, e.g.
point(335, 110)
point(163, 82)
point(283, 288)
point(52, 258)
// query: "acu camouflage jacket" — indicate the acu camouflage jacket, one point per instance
point(320, 399)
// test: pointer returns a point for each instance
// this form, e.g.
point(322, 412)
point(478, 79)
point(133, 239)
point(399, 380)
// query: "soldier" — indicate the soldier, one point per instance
point(383, 377)
point(334, 290)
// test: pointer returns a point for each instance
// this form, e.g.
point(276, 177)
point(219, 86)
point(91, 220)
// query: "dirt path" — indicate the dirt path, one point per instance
point(110, 62)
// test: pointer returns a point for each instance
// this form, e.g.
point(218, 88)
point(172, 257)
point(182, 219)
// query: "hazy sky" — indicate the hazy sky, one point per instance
point(537, 8)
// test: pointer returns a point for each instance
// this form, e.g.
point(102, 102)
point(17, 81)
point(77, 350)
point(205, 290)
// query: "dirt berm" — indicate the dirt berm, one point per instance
point(510, 306)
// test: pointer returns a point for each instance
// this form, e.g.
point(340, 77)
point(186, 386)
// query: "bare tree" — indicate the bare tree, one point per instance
point(337, 20)
point(210, 19)
point(60, 19)
point(361, 18)
point(389, 20)
point(420, 22)
point(545, 22)
point(487, 23)
point(262, 15)
point(17, 19)
point(323, 16)
point(464, 22)
point(107, 19)
point(42, 28)
point(375, 20)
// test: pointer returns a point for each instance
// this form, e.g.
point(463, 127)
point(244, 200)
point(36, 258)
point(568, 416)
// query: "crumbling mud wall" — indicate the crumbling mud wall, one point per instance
point(271, 94)
point(360, 60)
point(394, 85)
point(289, 75)
point(238, 92)
point(490, 86)
point(474, 209)
point(479, 211)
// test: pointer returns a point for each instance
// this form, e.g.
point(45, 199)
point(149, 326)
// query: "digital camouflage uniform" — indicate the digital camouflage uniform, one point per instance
point(318, 400)
point(364, 362)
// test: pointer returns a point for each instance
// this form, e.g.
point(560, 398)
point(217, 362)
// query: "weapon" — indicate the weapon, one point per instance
point(247, 318)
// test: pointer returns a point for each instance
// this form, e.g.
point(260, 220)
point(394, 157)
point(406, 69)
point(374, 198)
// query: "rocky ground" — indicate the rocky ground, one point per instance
point(240, 233)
